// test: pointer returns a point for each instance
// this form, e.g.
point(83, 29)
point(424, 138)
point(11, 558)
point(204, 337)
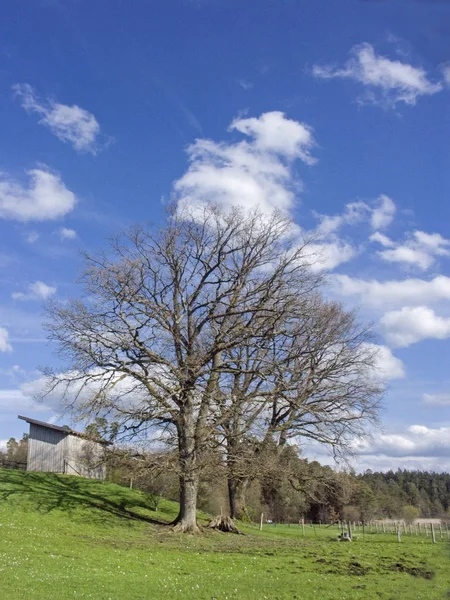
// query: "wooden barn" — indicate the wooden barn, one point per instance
point(56, 449)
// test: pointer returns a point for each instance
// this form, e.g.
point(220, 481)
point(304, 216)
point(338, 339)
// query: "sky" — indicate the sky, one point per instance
point(336, 113)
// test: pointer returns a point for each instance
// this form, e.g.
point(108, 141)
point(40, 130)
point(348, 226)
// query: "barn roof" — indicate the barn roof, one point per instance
point(64, 429)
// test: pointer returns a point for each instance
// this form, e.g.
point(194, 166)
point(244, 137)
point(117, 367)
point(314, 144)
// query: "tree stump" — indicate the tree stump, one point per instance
point(223, 523)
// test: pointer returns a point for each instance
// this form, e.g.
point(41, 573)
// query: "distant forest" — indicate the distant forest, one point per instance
point(282, 485)
point(427, 491)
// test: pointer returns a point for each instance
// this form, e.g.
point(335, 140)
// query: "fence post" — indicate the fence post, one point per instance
point(399, 533)
point(433, 537)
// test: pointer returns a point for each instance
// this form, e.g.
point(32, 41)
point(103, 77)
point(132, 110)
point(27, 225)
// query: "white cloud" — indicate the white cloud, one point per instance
point(381, 462)
point(437, 399)
point(387, 366)
point(333, 251)
point(379, 215)
point(416, 441)
point(419, 249)
point(393, 293)
point(392, 80)
point(273, 132)
point(32, 237)
point(5, 346)
point(434, 241)
point(67, 234)
point(328, 255)
point(383, 215)
point(251, 173)
point(405, 254)
point(412, 324)
point(37, 291)
point(15, 400)
point(354, 213)
point(75, 390)
point(46, 197)
point(69, 123)
point(381, 239)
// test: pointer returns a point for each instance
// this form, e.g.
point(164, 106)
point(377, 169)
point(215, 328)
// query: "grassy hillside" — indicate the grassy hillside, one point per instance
point(67, 537)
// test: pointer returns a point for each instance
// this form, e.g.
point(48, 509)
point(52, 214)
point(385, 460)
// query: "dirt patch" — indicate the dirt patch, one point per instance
point(414, 571)
point(357, 569)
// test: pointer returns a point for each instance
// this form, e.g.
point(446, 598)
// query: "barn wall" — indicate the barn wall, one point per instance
point(46, 449)
point(84, 457)
point(54, 451)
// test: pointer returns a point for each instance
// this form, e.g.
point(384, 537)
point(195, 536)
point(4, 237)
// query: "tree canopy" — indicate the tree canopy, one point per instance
point(207, 330)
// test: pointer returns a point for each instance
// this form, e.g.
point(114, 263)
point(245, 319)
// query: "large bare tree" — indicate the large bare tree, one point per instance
point(315, 380)
point(162, 309)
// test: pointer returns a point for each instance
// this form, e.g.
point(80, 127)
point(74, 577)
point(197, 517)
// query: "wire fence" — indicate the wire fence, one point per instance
point(12, 464)
point(435, 530)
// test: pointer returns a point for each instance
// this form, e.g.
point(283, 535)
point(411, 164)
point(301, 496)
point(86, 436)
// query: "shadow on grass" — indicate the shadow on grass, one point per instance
point(46, 492)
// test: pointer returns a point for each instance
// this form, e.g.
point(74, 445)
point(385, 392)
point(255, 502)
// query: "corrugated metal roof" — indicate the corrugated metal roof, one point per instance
point(67, 430)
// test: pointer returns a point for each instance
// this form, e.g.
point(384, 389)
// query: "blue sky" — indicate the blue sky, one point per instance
point(336, 112)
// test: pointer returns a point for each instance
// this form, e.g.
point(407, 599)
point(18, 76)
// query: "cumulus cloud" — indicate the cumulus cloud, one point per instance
point(437, 399)
point(37, 291)
point(380, 215)
point(45, 198)
point(67, 234)
point(386, 81)
point(353, 214)
point(332, 250)
point(387, 366)
point(273, 132)
point(256, 172)
point(327, 256)
point(75, 389)
point(416, 441)
point(419, 250)
point(382, 294)
point(70, 124)
point(5, 346)
point(383, 215)
point(412, 324)
point(381, 239)
point(410, 256)
point(15, 400)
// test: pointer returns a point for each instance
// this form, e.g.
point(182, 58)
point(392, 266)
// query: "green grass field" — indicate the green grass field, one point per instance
point(67, 537)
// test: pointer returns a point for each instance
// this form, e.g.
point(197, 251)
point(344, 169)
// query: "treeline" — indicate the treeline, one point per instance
point(276, 481)
point(428, 492)
point(286, 488)
point(15, 455)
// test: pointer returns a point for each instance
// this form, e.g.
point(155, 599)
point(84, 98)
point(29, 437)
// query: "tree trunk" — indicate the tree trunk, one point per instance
point(236, 497)
point(186, 521)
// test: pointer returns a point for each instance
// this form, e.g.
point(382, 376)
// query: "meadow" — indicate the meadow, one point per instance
point(67, 537)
